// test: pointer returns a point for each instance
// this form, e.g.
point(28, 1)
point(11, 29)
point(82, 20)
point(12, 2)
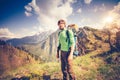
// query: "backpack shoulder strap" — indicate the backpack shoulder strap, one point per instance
point(68, 37)
point(58, 33)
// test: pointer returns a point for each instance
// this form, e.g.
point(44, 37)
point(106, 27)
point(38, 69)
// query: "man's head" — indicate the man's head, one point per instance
point(61, 24)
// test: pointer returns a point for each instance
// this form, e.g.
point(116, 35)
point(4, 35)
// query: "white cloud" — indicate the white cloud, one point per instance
point(95, 9)
point(4, 32)
point(102, 7)
point(115, 13)
point(38, 28)
point(112, 18)
point(79, 10)
point(86, 20)
point(49, 12)
point(87, 1)
point(116, 10)
point(28, 8)
point(28, 13)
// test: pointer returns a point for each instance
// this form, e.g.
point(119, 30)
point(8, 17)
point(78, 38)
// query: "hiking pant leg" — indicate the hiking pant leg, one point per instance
point(70, 69)
point(64, 65)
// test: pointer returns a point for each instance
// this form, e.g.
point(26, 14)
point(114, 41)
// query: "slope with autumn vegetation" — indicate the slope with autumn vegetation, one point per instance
point(12, 58)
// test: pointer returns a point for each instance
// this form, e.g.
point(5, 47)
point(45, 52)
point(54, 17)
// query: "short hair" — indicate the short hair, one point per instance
point(61, 20)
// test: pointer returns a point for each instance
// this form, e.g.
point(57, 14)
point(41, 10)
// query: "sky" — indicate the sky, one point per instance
point(20, 18)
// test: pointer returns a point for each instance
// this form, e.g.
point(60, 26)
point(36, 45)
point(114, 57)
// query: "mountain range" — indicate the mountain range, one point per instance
point(4, 38)
point(44, 44)
point(37, 38)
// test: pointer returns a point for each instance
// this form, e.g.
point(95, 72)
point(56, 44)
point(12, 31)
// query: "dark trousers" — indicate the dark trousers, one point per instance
point(66, 66)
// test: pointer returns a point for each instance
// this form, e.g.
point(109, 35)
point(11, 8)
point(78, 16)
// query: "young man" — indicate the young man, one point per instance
point(66, 48)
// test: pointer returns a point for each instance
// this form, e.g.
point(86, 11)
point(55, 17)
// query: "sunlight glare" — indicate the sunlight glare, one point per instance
point(108, 19)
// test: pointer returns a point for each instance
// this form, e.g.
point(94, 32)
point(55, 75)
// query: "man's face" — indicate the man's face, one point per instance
point(61, 25)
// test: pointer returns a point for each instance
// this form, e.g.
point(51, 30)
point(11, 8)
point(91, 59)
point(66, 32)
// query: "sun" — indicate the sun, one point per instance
point(108, 19)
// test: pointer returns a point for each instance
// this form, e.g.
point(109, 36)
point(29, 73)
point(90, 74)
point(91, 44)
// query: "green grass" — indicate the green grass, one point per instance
point(86, 67)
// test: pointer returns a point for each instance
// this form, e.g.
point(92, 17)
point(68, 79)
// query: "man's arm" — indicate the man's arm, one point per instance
point(58, 50)
point(58, 47)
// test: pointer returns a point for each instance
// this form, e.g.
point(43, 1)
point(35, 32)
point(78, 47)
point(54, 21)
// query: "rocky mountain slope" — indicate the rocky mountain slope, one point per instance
point(46, 50)
point(4, 38)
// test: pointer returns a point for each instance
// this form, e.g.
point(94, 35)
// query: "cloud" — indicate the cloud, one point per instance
point(95, 9)
point(49, 12)
point(79, 10)
point(4, 32)
point(38, 28)
point(27, 32)
point(102, 7)
point(28, 14)
point(28, 8)
point(87, 1)
point(113, 18)
point(115, 13)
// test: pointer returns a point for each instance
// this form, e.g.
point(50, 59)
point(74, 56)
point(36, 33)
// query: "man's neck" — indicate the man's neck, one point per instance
point(63, 29)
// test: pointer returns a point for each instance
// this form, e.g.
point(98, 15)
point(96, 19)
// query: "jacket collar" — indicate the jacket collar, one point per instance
point(64, 29)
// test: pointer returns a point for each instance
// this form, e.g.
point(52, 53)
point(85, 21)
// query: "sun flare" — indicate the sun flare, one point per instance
point(108, 19)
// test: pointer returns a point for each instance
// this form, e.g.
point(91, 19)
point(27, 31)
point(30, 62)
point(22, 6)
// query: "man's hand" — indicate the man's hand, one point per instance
point(57, 55)
point(70, 57)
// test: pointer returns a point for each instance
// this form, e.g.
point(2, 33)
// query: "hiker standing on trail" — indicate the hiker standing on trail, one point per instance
point(66, 48)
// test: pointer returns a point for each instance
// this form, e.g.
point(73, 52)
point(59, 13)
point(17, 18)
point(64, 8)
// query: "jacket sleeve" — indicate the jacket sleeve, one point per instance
point(71, 36)
point(59, 45)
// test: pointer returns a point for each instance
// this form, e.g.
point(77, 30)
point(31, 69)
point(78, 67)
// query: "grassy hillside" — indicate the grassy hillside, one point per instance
point(97, 65)
point(12, 58)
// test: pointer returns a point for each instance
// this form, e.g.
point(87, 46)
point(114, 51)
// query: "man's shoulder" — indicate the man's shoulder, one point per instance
point(59, 33)
point(69, 31)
